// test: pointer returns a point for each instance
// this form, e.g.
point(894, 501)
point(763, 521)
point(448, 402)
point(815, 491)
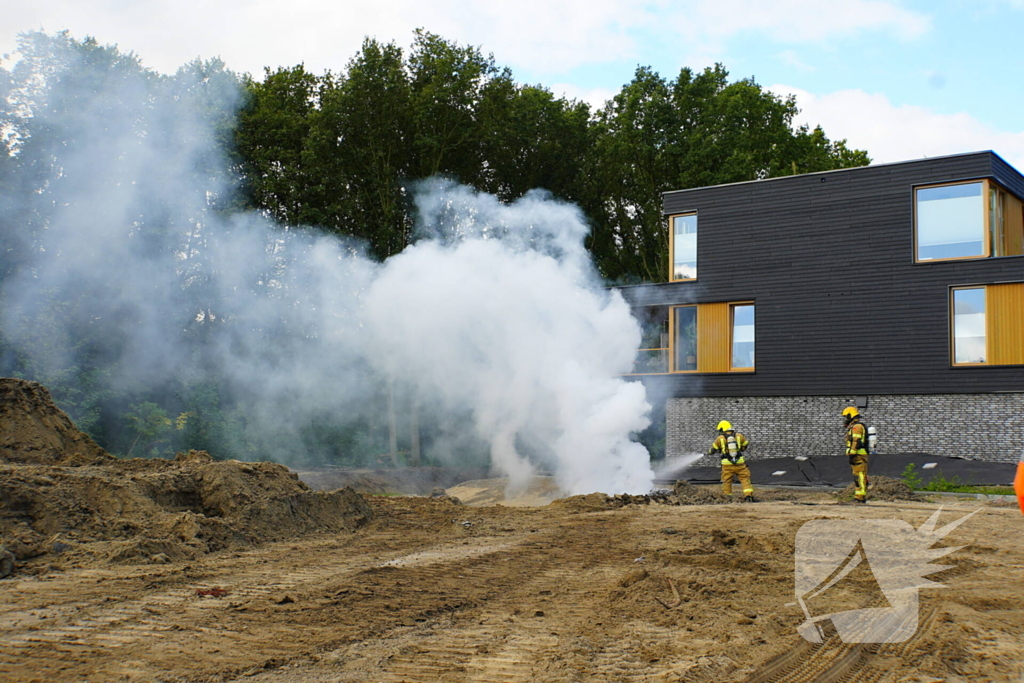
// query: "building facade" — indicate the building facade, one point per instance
point(898, 288)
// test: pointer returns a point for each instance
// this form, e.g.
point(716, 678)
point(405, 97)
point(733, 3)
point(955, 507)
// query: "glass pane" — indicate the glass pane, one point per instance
point(995, 221)
point(653, 326)
point(969, 325)
point(650, 360)
point(686, 338)
point(743, 336)
point(950, 222)
point(684, 250)
point(652, 356)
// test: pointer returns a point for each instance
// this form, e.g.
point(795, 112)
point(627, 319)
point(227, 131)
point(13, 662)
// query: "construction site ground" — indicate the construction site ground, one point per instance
point(431, 590)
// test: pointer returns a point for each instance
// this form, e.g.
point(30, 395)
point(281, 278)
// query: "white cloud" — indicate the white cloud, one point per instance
point(537, 35)
point(250, 34)
point(898, 133)
point(595, 97)
point(791, 58)
point(793, 21)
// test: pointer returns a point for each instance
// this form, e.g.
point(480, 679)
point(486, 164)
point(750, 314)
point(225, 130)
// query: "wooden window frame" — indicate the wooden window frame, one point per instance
point(672, 339)
point(952, 327)
point(672, 246)
point(732, 330)
point(668, 324)
point(988, 239)
point(1002, 322)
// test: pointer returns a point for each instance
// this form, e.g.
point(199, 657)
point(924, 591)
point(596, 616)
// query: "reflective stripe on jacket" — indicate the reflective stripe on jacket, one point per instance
point(856, 439)
point(721, 446)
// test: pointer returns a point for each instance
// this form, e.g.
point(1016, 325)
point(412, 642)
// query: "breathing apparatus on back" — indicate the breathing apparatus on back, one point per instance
point(731, 445)
point(852, 415)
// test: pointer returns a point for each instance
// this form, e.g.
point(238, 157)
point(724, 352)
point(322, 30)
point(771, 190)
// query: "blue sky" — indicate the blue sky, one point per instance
point(903, 79)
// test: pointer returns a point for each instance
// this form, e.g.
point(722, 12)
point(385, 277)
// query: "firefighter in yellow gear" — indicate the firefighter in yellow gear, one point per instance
point(857, 451)
point(731, 444)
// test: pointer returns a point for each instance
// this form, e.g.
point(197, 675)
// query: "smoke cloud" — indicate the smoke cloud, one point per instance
point(492, 325)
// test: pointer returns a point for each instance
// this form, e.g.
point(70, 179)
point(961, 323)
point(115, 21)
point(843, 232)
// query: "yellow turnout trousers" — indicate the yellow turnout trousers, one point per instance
point(859, 465)
point(741, 471)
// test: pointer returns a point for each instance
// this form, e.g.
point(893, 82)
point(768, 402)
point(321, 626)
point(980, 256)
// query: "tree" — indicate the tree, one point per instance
point(272, 135)
point(362, 137)
point(698, 130)
point(447, 81)
point(530, 139)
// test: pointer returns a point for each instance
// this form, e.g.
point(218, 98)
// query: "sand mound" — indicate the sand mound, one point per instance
point(882, 488)
point(33, 430)
point(539, 491)
point(417, 481)
point(140, 510)
point(682, 493)
point(543, 490)
point(63, 497)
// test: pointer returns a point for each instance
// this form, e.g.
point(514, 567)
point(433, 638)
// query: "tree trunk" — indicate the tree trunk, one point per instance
point(392, 423)
point(414, 431)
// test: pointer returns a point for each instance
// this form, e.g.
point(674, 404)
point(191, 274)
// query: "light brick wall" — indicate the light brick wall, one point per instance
point(982, 426)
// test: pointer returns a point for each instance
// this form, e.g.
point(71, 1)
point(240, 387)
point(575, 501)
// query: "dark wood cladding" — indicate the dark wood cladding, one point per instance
point(828, 259)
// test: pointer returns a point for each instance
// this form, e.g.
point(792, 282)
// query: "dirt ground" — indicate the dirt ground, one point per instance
point(193, 569)
point(435, 591)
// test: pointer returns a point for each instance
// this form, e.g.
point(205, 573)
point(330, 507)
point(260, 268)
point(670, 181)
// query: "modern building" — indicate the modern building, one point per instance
point(897, 287)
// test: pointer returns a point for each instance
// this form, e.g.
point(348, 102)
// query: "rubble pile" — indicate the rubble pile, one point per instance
point(681, 493)
point(881, 488)
point(64, 499)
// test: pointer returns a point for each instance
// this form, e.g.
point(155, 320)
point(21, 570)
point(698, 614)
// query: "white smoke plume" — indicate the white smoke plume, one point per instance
point(494, 320)
point(500, 313)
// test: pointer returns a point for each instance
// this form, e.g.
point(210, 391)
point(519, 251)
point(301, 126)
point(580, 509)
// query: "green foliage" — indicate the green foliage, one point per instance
point(340, 151)
point(910, 476)
point(700, 129)
point(939, 484)
point(150, 425)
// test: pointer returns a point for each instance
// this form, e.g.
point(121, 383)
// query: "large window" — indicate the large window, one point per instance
point(684, 247)
point(988, 324)
point(968, 220)
point(951, 222)
point(742, 337)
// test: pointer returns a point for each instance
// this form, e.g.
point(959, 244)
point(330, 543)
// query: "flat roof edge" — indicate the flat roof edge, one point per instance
point(845, 170)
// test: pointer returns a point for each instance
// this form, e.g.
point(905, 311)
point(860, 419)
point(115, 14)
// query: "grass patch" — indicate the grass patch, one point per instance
point(940, 484)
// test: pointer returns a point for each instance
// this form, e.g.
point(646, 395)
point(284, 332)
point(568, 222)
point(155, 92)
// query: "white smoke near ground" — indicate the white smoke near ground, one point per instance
point(494, 321)
point(499, 313)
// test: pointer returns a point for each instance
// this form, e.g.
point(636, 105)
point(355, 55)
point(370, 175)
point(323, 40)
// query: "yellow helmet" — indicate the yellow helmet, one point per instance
point(724, 426)
point(850, 412)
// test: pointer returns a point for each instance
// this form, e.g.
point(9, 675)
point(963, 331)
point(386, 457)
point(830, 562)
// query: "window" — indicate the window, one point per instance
point(743, 337)
point(969, 325)
point(951, 222)
point(988, 325)
point(711, 337)
point(685, 338)
point(652, 356)
point(1006, 221)
point(970, 220)
point(683, 247)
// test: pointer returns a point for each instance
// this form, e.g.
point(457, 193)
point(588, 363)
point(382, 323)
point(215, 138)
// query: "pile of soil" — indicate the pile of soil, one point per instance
point(33, 430)
point(416, 481)
point(681, 493)
point(66, 501)
point(881, 488)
